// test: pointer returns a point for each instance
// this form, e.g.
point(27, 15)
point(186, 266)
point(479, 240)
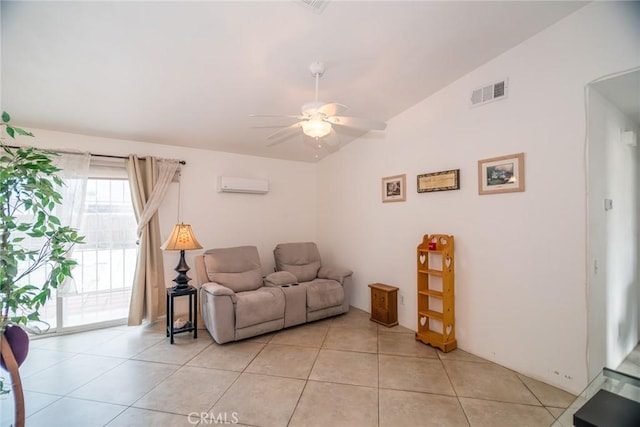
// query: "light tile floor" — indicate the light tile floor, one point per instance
point(344, 371)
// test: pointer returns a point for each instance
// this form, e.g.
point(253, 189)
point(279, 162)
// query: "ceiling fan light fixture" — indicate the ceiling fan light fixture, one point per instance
point(316, 128)
point(318, 118)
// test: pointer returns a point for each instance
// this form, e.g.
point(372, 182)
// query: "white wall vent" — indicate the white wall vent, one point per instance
point(489, 93)
point(317, 6)
point(228, 184)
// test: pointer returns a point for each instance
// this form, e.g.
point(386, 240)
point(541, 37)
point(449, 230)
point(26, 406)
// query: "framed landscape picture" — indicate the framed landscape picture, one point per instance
point(503, 174)
point(394, 188)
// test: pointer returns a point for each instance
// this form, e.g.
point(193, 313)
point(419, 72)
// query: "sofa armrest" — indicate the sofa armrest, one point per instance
point(217, 289)
point(217, 307)
point(334, 273)
point(280, 278)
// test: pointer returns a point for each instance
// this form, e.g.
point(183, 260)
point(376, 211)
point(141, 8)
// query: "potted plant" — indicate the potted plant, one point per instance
point(28, 199)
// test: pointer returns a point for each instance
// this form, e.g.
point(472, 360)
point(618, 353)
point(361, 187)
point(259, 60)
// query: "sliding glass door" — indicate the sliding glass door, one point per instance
point(100, 291)
point(106, 262)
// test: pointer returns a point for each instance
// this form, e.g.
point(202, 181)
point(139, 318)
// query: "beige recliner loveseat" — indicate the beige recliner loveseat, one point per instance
point(237, 302)
point(327, 288)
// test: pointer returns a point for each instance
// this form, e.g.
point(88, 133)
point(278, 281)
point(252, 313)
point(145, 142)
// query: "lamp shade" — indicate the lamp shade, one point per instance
point(316, 127)
point(181, 239)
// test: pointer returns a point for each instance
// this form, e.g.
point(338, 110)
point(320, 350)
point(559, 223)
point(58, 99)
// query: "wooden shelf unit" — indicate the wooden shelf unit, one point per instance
point(436, 309)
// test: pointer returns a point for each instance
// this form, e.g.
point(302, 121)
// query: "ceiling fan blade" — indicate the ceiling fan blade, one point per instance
point(332, 109)
point(331, 148)
point(280, 141)
point(269, 127)
point(291, 116)
point(284, 133)
point(332, 142)
point(357, 123)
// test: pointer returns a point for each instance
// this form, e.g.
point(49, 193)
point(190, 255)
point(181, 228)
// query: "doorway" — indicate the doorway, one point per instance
point(613, 219)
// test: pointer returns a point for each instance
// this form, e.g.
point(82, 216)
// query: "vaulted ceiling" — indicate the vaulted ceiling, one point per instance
point(191, 73)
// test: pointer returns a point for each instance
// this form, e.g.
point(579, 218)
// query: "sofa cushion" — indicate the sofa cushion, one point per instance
point(300, 259)
point(238, 268)
point(324, 293)
point(259, 306)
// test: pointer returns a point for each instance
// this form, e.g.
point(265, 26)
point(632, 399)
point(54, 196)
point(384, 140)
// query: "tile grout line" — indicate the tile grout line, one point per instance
point(130, 358)
point(51, 366)
point(60, 397)
point(536, 396)
point(92, 378)
point(75, 355)
point(130, 406)
point(183, 365)
point(306, 381)
point(378, 368)
point(453, 387)
point(379, 333)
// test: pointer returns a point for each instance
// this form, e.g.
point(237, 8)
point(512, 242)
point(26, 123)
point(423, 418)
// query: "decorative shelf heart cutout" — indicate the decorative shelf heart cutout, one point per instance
point(422, 258)
point(449, 329)
point(443, 241)
point(423, 320)
point(447, 262)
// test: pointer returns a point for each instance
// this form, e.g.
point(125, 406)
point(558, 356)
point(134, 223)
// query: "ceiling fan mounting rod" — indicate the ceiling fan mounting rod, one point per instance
point(317, 70)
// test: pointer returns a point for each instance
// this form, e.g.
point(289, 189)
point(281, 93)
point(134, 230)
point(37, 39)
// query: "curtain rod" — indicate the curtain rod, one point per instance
point(182, 162)
point(110, 156)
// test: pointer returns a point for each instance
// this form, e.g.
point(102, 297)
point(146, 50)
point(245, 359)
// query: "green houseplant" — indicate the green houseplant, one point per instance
point(28, 199)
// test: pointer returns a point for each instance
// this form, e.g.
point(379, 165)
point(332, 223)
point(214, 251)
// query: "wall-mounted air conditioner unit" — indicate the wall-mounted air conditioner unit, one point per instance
point(228, 184)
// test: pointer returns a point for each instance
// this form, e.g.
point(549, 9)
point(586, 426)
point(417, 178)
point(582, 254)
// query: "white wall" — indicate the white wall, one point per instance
point(613, 236)
point(286, 213)
point(520, 257)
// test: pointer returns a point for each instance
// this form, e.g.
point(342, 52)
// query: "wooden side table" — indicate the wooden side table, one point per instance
point(384, 304)
point(192, 323)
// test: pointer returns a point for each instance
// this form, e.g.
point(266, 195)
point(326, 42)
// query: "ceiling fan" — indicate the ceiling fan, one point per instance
point(318, 118)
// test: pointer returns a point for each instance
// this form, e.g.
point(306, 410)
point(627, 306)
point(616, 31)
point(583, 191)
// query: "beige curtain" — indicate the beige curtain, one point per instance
point(149, 179)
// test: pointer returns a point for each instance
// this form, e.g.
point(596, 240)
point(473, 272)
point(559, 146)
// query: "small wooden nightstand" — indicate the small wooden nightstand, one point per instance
point(192, 323)
point(384, 304)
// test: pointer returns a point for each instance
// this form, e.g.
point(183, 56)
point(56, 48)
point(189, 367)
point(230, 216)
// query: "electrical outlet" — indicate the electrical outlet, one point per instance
point(401, 299)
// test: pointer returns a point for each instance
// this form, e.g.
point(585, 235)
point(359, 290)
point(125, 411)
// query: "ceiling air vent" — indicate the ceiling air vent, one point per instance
point(489, 93)
point(315, 5)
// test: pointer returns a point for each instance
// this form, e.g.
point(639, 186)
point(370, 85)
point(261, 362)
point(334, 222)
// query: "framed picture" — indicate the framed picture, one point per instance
point(394, 188)
point(503, 174)
point(439, 181)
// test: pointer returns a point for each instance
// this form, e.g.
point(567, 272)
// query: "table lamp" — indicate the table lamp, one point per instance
point(181, 239)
